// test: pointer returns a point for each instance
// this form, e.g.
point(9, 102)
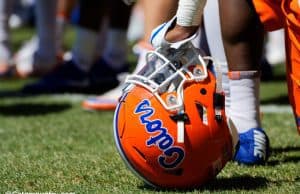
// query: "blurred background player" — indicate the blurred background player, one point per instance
point(85, 71)
point(274, 48)
point(285, 14)
point(43, 57)
point(154, 13)
point(5, 50)
point(44, 51)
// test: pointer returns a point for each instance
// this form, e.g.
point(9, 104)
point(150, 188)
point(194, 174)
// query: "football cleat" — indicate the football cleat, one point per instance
point(24, 58)
point(99, 103)
point(30, 63)
point(67, 77)
point(106, 101)
point(103, 77)
point(253, 147)
point(7, 70)
point(170, 125)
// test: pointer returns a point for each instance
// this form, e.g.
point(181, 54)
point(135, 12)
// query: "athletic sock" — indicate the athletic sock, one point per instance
point(244, 100)
point(141, 49)
point(102, 37)
point(115, 51)
point(84, 48)
point(61, 23)
point(5, 52)
point(45, 14)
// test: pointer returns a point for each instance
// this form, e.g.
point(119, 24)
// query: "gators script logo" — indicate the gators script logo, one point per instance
point(171, 155)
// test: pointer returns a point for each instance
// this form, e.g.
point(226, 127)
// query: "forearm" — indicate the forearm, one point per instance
point(189, 12)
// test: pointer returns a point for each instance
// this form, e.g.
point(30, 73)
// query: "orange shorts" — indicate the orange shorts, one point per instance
point(275, 14)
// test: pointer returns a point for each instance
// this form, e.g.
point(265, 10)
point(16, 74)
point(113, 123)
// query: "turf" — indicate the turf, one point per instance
point(49, 144)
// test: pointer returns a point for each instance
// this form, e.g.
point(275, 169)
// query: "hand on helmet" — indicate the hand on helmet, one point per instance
point(170, 34)
point(179, 33)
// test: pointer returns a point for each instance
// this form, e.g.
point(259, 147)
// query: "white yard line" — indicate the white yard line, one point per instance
point(272, 108)
point(73, 98)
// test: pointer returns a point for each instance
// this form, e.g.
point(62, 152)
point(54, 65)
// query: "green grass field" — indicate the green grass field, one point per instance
point(49, 144)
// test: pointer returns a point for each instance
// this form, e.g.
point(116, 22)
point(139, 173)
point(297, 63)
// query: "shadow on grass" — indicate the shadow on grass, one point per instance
point(285, 149)
point(276, 152)
point(277, 78)
point(32, 109)
point(97, 88)
point(11, 93)
point(282, 100)
point(246, 183)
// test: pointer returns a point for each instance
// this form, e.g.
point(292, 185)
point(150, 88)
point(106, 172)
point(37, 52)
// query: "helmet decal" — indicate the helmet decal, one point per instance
point(171, 155)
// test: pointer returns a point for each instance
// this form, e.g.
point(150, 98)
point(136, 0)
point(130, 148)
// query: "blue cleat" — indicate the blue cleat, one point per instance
point(65, 78)
point(103, 77)
point(102, 73)
point(254, 147)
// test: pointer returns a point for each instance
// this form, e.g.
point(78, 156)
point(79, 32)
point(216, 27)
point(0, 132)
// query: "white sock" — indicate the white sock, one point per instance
point(115, 52)
point(141, 49)
point(244, 102)
point(46, 30)
point(136, 24)
point(213, 30)
point(5, 12)
point(241, 95)
point(275, 47)
point(102, 37)
point(61, 24)
point(84, 48)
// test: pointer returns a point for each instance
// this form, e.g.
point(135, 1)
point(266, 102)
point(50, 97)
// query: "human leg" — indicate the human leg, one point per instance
point(72, 75)
point(243, 44)
point(5, 50)
point(63, 17)
point(42, 57)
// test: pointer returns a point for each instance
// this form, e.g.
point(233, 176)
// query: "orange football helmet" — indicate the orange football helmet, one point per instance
point(170, 126)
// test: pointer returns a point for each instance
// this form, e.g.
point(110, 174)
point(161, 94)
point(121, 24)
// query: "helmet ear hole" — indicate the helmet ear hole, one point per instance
point(203, 91)
point(202, 112)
